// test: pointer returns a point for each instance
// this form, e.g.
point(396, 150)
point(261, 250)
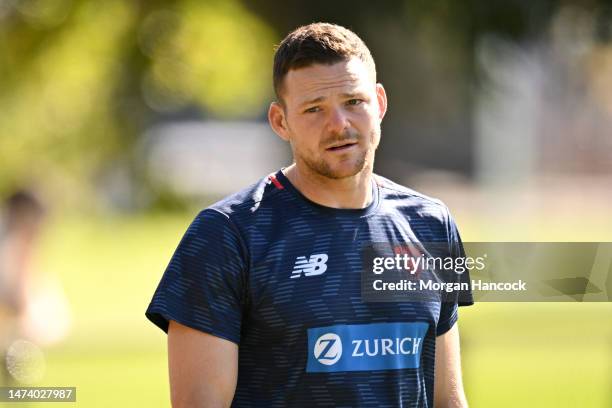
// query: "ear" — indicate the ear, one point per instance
point(278, 121)
point(381, 95)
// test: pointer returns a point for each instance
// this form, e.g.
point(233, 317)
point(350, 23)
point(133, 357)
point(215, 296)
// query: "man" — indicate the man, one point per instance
point(262, 299)
point(20, 224)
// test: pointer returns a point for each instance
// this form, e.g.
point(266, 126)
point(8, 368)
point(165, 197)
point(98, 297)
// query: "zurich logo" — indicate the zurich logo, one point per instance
point(328, 349)
point(365, 347)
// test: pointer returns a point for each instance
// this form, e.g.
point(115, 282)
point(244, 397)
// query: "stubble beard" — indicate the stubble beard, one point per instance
point(323, 168)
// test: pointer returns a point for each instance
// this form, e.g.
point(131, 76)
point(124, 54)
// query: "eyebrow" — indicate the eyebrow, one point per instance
point(311, 101)
point(322, 98)
point(351, 94)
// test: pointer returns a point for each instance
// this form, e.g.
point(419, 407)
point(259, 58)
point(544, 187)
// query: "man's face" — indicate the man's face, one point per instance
point(331, 117)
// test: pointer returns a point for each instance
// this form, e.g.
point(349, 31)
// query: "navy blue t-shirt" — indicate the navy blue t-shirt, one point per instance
point(280, 276)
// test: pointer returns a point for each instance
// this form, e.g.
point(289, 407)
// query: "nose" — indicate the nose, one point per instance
point(337, 121)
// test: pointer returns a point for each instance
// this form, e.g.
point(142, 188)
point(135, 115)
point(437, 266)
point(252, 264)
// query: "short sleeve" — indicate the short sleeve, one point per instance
point(454, 299)
point(204, 285)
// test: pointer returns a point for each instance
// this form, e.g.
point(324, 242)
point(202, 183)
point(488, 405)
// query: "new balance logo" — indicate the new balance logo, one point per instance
point(316, 265)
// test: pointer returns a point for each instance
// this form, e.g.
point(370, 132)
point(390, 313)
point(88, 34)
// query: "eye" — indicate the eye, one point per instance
point(354, 102)
point(314, 109)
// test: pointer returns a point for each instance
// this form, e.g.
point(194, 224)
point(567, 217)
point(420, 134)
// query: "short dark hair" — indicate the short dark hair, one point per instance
point(23, 206)
point(317, 43)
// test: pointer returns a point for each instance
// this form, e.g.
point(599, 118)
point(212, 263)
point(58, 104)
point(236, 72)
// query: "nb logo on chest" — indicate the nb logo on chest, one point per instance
point(315, 265)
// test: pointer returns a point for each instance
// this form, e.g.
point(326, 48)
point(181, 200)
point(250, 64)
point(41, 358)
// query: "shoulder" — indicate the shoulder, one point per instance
point(406, 197)
point(246, 203)
point(429, 217)
point(224, 225)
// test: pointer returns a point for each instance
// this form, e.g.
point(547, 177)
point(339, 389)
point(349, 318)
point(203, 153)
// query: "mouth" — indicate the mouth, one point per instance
point(341, 147)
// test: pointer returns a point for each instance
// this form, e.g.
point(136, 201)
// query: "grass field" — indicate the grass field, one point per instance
point(514, 355)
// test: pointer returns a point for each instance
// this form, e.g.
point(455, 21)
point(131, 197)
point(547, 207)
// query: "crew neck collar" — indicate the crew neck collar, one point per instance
point(342, 212)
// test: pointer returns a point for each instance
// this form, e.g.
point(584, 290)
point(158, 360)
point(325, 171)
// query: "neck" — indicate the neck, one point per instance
point(348, 193)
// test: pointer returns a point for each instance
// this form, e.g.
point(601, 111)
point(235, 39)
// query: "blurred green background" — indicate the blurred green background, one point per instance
point(128, 117)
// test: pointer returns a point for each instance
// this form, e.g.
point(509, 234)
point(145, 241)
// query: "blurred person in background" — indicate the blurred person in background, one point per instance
point(262, 299)
point(34, 310)
point(20, 226)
